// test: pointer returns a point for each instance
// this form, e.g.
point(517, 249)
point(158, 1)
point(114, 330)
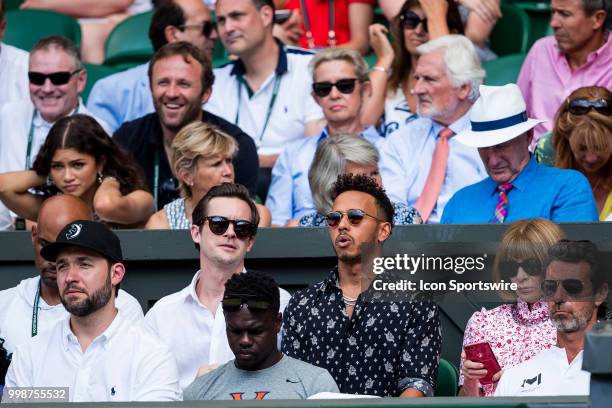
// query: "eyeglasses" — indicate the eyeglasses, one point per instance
point(345, 86)
point(355, 216)
point(411, 20)
point(233, 303)
point(57, 78)
point(509, 269)
point(584, 106)
point(571, 286)
point(207, 27)
point(218, 225)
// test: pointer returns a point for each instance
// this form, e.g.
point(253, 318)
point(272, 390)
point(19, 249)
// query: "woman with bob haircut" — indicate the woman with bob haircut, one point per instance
point(201, 159)
point(80, 159)
point(519, 330)
point(343, 154)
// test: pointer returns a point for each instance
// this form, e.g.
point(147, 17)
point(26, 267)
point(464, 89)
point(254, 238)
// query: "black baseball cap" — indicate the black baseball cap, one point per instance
point(86, 234)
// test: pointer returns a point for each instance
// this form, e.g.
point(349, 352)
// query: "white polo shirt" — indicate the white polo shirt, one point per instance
point(17, 311)
point(291, 109)
point(195, 336)
point(14, 74)
point(125, 363)
point(547, 374)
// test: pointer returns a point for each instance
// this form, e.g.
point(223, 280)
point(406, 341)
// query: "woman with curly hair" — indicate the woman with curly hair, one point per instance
point(80, 159)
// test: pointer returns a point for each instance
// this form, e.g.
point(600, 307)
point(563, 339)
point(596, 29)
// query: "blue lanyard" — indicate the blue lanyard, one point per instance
point(277, 81)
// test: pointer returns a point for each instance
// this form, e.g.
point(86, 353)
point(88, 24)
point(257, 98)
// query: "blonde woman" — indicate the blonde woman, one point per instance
point(201, 159)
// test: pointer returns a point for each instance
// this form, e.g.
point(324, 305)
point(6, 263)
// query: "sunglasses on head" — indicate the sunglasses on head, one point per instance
point(218, 225)
point(410, 20)
point(355, 216)
point(509, 269)
point(584, 106)
point(57, 78)
point(233, 303)
point(571, 286)
point(345, 86)
point(207, 27)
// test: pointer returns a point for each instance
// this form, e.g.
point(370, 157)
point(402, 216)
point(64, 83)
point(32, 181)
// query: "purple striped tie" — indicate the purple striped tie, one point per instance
point(502, 204)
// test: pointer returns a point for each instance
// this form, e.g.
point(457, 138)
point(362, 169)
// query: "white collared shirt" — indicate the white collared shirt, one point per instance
point(14, 74)
point(125, 363)
point(547, 374)
point(16, 312)
point(196, 336)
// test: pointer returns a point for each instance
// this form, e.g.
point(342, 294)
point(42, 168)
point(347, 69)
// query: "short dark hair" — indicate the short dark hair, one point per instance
point(63, 43)
point(186, 50)
point(590, 7)
point(230, 190)
point(261, 3)
point(255, 285)
point(364, 184)
point(577, 251)
point(167, 13)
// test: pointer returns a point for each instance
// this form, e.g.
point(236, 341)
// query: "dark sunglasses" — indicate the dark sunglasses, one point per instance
point(207, 27)
point(571, 286)
point(509, 269)
point(584, 106)
point(218, 225)
point(235, 302)
point(345, 86)
point(409, 19)
point(355, 216)
point(57, 78)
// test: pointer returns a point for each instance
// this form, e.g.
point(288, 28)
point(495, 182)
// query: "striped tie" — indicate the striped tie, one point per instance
point(502, 204)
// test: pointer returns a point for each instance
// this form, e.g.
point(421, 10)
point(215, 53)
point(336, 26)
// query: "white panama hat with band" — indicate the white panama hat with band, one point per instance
point(498, 115)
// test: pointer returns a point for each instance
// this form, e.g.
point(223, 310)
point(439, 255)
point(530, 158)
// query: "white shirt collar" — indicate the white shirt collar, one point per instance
point(69, 338)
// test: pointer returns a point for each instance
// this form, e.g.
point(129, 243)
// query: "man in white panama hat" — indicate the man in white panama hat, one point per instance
point(517, 187)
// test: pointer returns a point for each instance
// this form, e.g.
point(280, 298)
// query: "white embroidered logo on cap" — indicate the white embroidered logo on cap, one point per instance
point(74, 231)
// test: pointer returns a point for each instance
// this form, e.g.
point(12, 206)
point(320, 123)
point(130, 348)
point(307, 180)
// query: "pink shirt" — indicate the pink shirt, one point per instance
point(514, 333)
point(546, 78)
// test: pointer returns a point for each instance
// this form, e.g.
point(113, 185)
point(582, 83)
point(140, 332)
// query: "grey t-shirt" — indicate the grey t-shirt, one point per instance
point(288, 379)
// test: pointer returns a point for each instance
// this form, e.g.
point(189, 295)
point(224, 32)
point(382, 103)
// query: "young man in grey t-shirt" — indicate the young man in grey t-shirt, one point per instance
point(259, 371)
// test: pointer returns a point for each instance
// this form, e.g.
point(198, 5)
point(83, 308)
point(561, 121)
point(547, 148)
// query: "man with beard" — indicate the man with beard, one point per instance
point(575, 287)
point(181, 78)
point(95, 352)
point(34, 305)
point(423, 165)
point(387, 347)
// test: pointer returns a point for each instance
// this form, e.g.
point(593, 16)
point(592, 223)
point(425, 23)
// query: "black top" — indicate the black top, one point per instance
point(144, 139)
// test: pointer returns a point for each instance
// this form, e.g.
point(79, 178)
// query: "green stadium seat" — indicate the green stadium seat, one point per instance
point(447, 383)
point(26, 27)
point(128, 44)
point(12, 4)
point(539, 19)
point(503, 70)
point(512, 32)
point(94, 73)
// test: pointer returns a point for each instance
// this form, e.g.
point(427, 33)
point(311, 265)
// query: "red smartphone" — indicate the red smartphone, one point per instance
point(482, 353)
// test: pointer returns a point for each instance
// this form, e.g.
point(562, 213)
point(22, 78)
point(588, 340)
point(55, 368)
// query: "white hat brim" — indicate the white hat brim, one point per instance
point(494, 137)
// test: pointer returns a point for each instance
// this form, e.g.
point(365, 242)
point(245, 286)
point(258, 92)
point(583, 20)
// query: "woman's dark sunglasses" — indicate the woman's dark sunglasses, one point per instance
point(235, 302)
point(218, 225)
point(509, 269)
point(345, 86)
point(57, 78)
point(207, 27)
point(410, 20)
point(571, 286)
point(355, 216)
point(584, 106)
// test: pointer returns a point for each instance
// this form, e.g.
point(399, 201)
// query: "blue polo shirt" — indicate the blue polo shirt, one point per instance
point(538, 191)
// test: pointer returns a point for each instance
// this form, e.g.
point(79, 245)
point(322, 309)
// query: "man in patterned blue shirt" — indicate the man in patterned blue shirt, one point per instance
point(370, 343)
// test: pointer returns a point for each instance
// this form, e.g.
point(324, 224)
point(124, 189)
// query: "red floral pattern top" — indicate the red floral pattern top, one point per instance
point(514, 332)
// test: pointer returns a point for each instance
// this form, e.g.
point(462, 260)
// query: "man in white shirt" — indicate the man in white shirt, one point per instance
point(96, 352)
point(575, 286)
point(34, 305)
point(191, 321)
point(13, 68)
point(56, 78)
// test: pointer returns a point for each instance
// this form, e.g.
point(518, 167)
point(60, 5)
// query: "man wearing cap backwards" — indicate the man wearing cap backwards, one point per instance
point(34, 305)
point(95, 352)
point(517, 187)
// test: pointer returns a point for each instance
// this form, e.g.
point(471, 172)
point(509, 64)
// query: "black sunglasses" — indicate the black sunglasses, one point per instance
point(571, 286)
point(57, 78)
point(233, 303)
point(345, 86)
point(355, 216)
point(218, 225)
point(509, 269)
point(584, 106)
point(409, 19)
point(207, 27)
